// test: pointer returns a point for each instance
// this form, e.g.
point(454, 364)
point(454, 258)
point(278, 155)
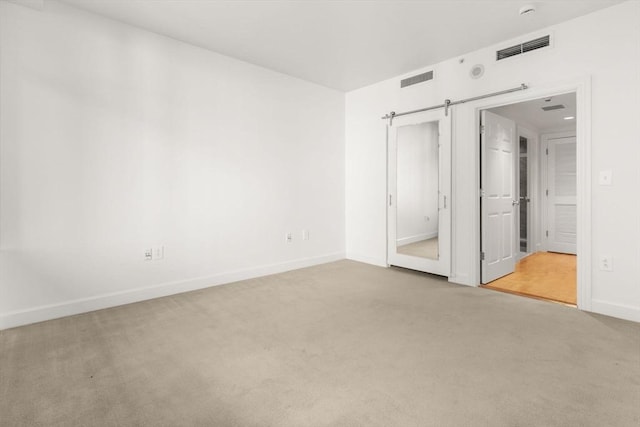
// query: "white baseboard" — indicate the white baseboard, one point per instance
point(380, 262)
point(83, 305)
point(416, 238)
point(620, 311)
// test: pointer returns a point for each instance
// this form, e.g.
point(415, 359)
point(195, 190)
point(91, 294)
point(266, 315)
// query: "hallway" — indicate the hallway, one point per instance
point(545, 275)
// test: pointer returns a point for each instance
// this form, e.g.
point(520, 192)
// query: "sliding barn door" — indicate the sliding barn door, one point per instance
point(419, 202)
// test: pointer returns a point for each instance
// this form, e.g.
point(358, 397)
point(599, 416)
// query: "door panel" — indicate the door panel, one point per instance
point(562, 201)
point(419, 166)
point(498, 152)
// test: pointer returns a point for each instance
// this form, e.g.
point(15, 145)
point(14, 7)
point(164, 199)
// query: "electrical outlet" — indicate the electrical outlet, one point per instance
point(158, 252)
point(288, 237)
point(305, 234)
point(148, 254)
point(606, 263)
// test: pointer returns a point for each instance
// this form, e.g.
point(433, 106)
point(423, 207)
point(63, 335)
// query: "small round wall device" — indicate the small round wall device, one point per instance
point(476, 71)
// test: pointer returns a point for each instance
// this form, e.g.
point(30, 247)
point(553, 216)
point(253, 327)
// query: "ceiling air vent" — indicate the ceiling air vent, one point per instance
point(523, 48)
point(417, 79)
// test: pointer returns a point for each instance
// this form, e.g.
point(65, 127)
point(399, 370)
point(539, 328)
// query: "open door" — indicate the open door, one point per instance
point(498, 195)
point(419, 219)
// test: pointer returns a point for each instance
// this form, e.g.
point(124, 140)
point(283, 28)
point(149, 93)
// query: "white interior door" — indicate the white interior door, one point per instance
point(419, 166)
point(499, 201)
point(561, 199)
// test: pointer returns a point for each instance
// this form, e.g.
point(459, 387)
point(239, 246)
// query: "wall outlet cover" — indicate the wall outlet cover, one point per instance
point(158, 252)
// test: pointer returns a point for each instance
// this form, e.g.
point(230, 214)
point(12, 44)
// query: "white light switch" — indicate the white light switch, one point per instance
point(606, 177)
point(606, 263)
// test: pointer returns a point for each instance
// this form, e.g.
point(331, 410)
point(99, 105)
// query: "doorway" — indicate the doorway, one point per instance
point(528, 221)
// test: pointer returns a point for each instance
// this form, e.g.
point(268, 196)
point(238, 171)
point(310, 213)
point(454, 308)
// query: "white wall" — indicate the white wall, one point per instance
point(417, 182)
point(603, 46)
point(114, 139)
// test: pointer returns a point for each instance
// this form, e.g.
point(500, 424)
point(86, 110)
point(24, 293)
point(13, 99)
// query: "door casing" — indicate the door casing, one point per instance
point(582, 88)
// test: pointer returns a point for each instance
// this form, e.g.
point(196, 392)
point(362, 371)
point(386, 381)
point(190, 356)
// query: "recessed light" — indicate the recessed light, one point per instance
point(569, 118)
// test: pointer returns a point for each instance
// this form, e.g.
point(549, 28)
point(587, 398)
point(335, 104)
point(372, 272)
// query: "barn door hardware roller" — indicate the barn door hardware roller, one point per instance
point(449, 103)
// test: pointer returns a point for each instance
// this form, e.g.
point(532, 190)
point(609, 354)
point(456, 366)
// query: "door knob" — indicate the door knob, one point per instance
point(515, 202)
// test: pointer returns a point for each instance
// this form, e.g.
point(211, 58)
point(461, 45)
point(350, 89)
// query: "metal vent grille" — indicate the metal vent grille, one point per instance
point(553, 107)
point(417, 79)
point(523, 48)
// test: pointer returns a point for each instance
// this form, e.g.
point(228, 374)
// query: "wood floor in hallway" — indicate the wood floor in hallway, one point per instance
point(545, 275)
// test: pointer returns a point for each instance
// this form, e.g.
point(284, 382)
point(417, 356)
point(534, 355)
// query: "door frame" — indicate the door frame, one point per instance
point(582, 89)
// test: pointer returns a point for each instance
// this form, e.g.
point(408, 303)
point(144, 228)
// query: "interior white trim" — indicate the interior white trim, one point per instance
point(84, 305)
point(582, 88)
point(616, 310)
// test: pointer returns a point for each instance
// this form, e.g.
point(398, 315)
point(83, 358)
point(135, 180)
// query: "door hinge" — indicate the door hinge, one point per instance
point(481, 129)
point(547, 151)
point(481, 192)
point(390, 199)
point(547, 233)
point(481, 256)
point(546, 191)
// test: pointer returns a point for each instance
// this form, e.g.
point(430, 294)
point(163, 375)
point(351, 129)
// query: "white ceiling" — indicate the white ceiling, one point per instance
point(341, 44)
point(530, 113)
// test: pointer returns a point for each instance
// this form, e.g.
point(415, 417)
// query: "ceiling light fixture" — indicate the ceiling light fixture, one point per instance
point(527, 9)
point(569, 118)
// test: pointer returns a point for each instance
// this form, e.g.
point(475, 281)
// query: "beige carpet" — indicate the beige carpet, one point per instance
point(343, 344)
point(424, 248)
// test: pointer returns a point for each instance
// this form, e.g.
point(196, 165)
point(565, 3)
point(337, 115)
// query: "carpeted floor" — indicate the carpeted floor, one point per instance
point(543, 274)
point(341, 344)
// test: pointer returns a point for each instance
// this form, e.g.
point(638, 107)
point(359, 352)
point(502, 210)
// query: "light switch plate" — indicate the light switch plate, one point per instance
point(606, 263)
